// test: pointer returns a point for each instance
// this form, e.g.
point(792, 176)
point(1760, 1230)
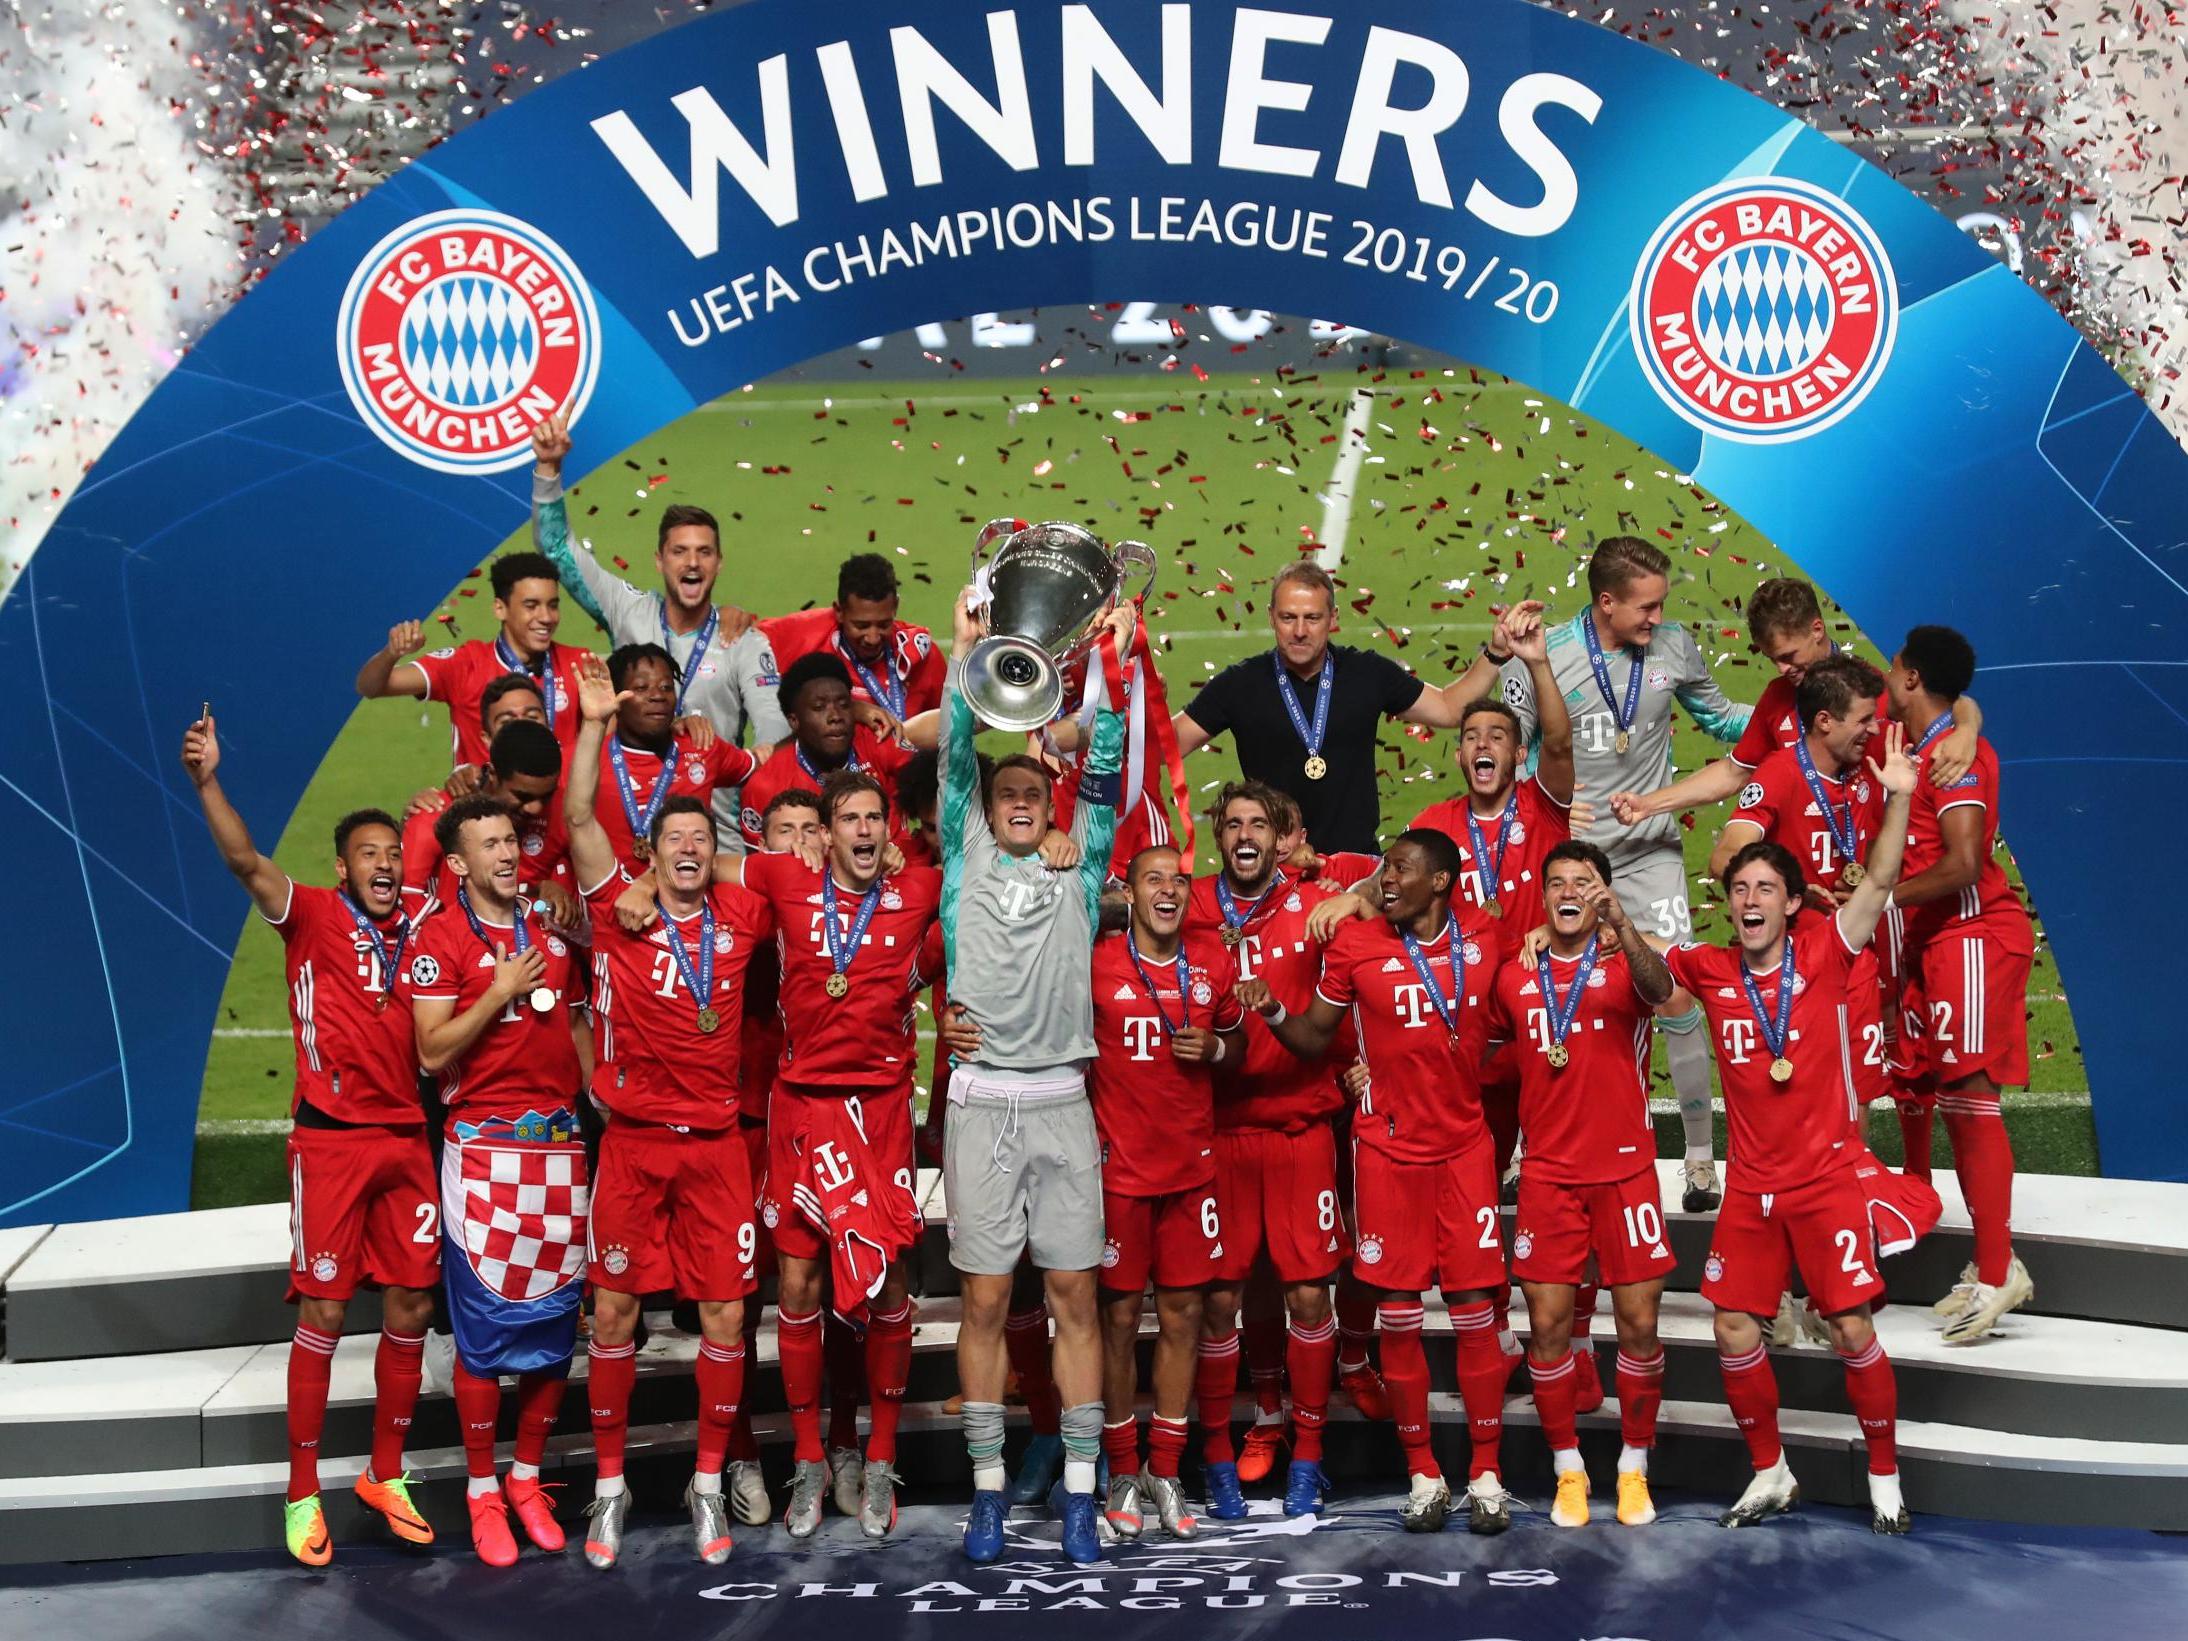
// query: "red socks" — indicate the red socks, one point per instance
point(798, 1347)
point(1405, 1376)
point(397, 1368)
point(888, 1363)
point(721, 1376)
point(1121, 1446)
point(613, 1369)
point(1355, 1324)
point(478, 1408)
point(1483, 1373)
point(1310, 1359)
point(1751, 1391)
point(1640, 1394)
point(539, 1404)
point(311, 1364)
point(1165, 1446)
point(1215, 1388)
point(1914, 1133)
point(1264, 1337)
point(743, 1445)
point(1025, 1338)
point(1983, 1158)
point(1874, 1392)
point(1554, 1398)
point(845, 1353)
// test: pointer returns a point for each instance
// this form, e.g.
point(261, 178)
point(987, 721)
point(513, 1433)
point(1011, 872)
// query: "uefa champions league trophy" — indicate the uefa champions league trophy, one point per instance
point(1048, 588)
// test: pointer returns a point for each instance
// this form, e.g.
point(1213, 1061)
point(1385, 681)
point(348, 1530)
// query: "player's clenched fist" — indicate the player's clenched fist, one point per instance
point(1253, 993)
point(405, 638)
point(1196, 1045)
point(201, 750)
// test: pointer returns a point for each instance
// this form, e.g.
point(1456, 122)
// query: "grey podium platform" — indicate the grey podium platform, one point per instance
point(141, 1392)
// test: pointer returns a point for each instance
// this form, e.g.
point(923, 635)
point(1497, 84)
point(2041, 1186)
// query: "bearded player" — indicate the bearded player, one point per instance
point(1578, 1023)
point(1164, 1020)
point(1417, 982)
point(361, 1198)
point(672, 1196)
point(1776, 1001)
point(493, 996)
point(1968, 945)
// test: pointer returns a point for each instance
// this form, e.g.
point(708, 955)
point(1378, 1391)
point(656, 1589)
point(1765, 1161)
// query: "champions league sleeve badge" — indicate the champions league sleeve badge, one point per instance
point(1764, 310)
point(458, 332)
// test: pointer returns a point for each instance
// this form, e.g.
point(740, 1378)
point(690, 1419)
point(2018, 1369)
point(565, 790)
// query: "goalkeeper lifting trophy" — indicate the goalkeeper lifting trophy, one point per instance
point(1048, 587)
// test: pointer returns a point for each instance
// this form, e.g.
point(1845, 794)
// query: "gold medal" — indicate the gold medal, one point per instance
point(837, 985)
point(1317, 766)
point(1495, 908)
point(1853, 874)
point(1231, 934)
point(709, 1021)
point(379, 1004)
point(641, 851)
point(1781, 1070)
point(1558, 1055)
point(1625, 740)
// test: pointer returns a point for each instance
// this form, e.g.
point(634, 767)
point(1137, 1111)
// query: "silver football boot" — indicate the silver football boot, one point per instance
point(877, 1498)
point(604, 1519)
point(846, 1468)
point(808, 1486)
point(1167, 1495)
point(746, 1486)
point(709, 1523)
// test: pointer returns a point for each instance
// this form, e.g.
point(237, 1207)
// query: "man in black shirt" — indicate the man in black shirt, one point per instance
point(1305, 713)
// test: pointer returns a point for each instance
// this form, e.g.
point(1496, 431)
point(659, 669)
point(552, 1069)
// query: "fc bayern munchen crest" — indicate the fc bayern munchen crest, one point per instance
point(461, 330)
point(1764, 310)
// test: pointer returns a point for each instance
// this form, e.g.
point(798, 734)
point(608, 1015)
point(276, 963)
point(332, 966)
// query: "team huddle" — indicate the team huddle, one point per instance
point(629, 1006)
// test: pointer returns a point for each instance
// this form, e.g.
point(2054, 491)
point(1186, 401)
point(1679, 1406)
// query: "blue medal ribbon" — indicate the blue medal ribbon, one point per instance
point(843, 949)
point(1625, 716)
point(1938, 727)
point(1773, 1030)
point(523, 935)
point(1235, 919)
point(1185, 987)
point(641, 824)
point(1446, 1007)
point(700, 983)
point(1842, 839)
point(1561, 1013)
point(700, 642)
point(887, 687)
point(389, 961)
point(850, 761)
point(545, 677)
point(1491, 868)
point(1310, 738)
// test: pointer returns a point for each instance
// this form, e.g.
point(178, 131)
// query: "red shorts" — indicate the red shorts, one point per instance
point(1821, 1229)
point(839, 1182)
point(364, 1210)
point(1426, 1224)
point(672, 1212)
point(1177, 1240)
point(1865, 1033)
point(1622, 1223)
point(754, 1135)
point(1977, 1023)
point(1903, 1209)
point(1278, 1192)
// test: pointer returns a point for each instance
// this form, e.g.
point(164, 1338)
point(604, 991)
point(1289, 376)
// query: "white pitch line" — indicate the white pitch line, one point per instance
point(1337, 495)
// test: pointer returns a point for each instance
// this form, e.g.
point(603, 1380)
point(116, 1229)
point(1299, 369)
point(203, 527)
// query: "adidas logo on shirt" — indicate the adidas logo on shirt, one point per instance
point(1392, 966)
point(1124, 994)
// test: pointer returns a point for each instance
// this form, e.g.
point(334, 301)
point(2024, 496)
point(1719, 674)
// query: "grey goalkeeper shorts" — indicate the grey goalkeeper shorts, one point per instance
point(1653, 888)
point(1023, 1175)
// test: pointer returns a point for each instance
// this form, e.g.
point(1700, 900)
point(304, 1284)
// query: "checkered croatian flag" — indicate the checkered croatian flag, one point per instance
point(514, 1200)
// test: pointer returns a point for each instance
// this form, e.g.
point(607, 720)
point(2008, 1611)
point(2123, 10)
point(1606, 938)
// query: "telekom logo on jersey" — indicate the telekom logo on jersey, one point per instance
point(769, 174)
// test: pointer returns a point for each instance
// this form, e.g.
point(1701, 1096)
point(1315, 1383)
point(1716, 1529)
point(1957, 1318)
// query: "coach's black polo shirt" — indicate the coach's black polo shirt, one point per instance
point(1340, 809)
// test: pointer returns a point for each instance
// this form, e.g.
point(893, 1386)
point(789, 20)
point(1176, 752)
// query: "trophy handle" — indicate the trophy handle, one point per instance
point(1129, 555)
point(991, 532)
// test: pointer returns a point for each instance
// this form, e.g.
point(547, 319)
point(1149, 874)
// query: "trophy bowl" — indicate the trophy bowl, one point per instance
point(1050, 586)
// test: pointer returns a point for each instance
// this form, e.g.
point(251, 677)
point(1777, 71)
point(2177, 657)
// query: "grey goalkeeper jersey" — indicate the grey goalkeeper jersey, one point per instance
point(1672, 669)
point(1020, 937)
point(737, 679)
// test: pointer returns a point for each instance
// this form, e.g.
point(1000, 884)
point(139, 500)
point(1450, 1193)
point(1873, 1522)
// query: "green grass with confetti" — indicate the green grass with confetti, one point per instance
point(1473, 491)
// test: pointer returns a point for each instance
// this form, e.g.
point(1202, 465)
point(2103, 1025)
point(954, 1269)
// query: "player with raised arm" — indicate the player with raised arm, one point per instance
point(724, 666)
point(1621, 665)
point(1021, 1157)
point(825, 736)
point(1776, 1002)
point(648, 759)
point(528, 604)
point(1164, 1019)
point(494, 994)
point(1417, 982)
point(1578, 1023)
point(1968, 946)
point(672, 1195)
point(362, 1207)
point(895, 663)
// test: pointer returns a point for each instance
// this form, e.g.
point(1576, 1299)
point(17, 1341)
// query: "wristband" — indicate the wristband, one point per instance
point(1216, 1058)
point(1493, 655)
point(1279, 1017)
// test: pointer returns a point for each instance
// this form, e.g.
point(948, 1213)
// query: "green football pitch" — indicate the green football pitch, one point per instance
point(1472, 491)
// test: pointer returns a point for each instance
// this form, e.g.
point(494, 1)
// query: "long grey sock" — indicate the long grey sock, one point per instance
point(983, 1425)
point(1688, 1052)
point(1081, 1428)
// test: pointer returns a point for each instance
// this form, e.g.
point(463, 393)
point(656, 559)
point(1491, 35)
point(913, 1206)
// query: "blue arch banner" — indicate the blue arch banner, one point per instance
point(1817, 347)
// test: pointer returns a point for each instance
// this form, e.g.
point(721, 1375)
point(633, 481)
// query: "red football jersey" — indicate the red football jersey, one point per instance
point(1987, 906)
point(865, 1038)
point(355, 1056)
point(1344, 869)
point(1586, 1122)
point(912, 684)
point(1779, 801)
point(1155, 1112)
point(1423, 1102)
point(1791, 1133)
point(1271, 1088)
point(459, 677)
point(1538, 824)
point(654, 1063)
point(786, 770)
point(428, 881)
point(1776, 722)
point(692, 774)
point(525, 1058)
